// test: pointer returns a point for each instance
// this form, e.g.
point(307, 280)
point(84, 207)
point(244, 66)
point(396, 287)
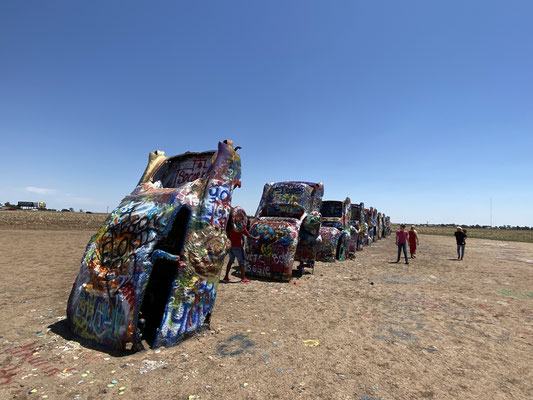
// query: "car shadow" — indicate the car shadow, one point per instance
point(62, 329)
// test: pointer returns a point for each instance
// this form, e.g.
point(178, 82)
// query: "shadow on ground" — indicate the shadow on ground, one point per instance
point(62, 329)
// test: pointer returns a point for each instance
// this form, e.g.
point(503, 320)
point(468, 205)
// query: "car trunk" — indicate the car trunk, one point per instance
point(272, 256)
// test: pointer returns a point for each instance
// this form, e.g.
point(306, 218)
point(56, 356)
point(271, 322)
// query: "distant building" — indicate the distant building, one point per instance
point(26, 205)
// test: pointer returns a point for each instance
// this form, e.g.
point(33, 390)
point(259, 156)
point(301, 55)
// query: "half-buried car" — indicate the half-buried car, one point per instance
point(150, 274)
point(335, 230)
point(287, 223)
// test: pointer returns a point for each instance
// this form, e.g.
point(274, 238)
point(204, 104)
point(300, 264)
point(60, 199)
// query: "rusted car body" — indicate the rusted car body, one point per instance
point(287, 223)
point(151, 271)
point(335, 230)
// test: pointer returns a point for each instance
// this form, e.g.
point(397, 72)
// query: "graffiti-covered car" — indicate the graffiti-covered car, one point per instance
point(386, 226)
point(151, 271)
point(379, 227)
point(359, 236)
point(370, 224)
point(374, 226)
point(335, 230)
point(287, 223)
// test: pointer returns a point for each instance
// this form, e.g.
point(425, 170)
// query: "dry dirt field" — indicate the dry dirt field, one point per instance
point(361, 329)
point(510, 235)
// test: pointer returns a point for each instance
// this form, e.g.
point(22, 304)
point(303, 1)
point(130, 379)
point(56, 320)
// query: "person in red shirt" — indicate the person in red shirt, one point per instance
point(237, 251)
point(401, 242)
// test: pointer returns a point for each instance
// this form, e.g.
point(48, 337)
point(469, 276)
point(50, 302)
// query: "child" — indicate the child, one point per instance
point(237, 229)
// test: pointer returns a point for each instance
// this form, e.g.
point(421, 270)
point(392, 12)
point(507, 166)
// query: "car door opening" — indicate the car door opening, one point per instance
point(161, 278)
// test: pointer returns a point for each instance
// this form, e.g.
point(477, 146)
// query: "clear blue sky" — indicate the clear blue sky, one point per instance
point(423, 109)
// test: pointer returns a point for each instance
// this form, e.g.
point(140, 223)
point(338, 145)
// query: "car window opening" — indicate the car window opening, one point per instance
point(176, 171)
point(331, 209)
point(283, 210)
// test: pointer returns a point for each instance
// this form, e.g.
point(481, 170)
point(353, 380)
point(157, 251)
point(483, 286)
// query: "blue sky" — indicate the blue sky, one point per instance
point(422, 109)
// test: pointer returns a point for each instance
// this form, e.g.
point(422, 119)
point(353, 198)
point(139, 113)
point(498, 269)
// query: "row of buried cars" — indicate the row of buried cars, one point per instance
point(293, 223)
point(149, 276)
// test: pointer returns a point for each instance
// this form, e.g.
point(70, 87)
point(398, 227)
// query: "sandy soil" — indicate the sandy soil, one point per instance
point(361, 329)
point(50, 220)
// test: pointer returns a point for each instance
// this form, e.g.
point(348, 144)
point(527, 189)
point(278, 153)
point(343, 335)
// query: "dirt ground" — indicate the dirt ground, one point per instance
point(361, 329)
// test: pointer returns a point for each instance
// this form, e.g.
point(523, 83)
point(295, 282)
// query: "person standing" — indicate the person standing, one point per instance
point(236, 232)
point(413, 241)
point(401, 242)
point(460, 237)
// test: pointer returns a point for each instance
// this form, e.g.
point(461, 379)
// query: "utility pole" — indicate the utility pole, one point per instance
point(491, 212)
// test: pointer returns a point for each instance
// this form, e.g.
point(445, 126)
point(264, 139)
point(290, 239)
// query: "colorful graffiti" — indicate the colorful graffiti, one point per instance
point(357, 230)
point(239, 220)
point(309, 241)
point(371, 225)
point(151, 271)
point(515, 294)
point(379, 226)
point(374, 224)
point(359, 237)
point(287, 216)
point(335, 230)
point(272, 255)
point(327, 250)
point(369, 221)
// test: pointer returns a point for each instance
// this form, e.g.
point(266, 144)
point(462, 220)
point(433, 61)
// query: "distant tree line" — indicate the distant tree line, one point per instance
point(477, 226)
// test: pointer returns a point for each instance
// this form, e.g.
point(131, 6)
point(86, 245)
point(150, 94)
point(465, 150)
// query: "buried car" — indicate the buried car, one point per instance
point(287, 223)
point(335, 230)
point(151, 271)
point(369, 222)
point(386, 226)
point(379, 226)
point(359, 236)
